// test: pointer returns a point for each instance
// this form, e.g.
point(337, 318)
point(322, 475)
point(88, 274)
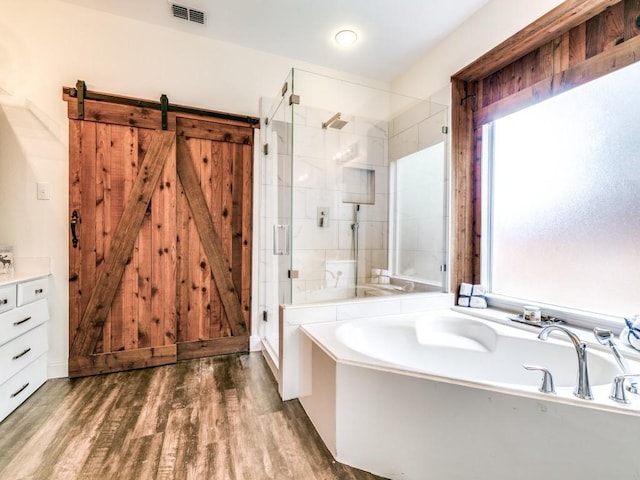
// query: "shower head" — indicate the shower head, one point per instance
point(335, 122)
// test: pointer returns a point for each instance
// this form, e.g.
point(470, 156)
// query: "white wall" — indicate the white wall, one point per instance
point(48, 44)
point(490, 26)
point(30, 153)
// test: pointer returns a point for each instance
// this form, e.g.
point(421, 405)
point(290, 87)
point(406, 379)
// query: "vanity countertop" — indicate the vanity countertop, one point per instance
point(24, 276)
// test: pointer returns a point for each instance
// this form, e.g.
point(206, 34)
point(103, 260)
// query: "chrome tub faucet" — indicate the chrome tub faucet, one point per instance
point(582, 388)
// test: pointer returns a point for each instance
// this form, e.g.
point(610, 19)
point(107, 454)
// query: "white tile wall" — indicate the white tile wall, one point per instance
point(316, 178)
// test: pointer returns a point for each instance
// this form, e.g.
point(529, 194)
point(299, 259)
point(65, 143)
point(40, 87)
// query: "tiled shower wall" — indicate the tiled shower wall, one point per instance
point(324, 255)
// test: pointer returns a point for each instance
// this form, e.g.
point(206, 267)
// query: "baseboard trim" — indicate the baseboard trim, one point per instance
point(58, 369)
point(255, 343)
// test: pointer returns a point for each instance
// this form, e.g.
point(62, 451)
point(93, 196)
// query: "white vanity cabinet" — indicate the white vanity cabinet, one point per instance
point(23, 339)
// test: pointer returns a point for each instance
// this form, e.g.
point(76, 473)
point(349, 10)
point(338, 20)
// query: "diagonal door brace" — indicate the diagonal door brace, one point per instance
point(210, 240)
point(124, 237)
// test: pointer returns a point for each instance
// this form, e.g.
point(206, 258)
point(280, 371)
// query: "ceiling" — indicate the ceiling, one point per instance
point(392, 34)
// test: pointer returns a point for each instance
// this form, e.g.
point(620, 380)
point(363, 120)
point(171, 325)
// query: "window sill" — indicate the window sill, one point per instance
point(574, 318)
point(584, 332)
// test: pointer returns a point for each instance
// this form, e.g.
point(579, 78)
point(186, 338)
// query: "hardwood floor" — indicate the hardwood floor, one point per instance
point(211, 418)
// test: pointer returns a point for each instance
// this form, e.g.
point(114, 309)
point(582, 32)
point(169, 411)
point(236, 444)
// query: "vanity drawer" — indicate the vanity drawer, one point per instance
point(21, 319)
point(19, 387)
point(7, 298)
point(19, 353)
point(31, 291)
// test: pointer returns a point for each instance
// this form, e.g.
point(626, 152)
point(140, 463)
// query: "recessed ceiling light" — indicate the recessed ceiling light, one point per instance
point(346, 38)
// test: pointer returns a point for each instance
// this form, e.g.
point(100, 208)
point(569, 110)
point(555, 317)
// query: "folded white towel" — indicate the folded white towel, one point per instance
point(472, 296)
point(478, 301)
point(630, 335)
point(466, 289)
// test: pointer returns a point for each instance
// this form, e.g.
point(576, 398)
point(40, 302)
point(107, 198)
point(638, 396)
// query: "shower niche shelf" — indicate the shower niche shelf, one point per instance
point(359, 186)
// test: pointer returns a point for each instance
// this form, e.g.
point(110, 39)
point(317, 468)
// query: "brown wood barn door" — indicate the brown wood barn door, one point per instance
point(122, 271)
point(161, 269)
point(214, 237)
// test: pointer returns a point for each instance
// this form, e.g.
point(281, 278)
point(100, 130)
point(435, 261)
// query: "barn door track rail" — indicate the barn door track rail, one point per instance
point(81, 93)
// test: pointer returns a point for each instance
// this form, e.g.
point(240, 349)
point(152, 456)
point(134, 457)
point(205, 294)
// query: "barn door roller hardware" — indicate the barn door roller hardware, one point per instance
point(164, 108)
point(81, 93)
point(81, 89)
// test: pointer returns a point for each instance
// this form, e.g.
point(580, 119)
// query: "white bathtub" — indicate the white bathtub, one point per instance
point(444, 395)
point(460, 347)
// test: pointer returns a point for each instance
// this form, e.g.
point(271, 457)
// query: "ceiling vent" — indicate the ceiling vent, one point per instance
point(196, 16)
point(190, 14)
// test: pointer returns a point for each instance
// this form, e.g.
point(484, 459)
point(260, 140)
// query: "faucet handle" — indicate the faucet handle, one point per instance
point(547, 378)
point(618, 393)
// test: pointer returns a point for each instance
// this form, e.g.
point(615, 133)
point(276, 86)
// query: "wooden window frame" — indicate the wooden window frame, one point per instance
point(548, 42)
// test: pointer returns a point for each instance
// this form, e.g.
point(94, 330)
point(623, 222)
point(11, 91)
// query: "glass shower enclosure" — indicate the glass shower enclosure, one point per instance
point(352, 195)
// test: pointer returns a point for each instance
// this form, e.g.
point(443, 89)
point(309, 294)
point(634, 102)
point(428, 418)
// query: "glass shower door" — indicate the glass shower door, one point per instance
point(275, 216)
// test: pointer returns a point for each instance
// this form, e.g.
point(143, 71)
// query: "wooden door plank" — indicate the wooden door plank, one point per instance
point(247, 231)
point(87, 210)
point(122, 361)
point(143, 265)
point(122, 244)
point(212, 347)
point(157, 256)
point(182, 254)
point(103, 220)
point(208, 130)
point(219, 322)
point(226, 218)
point(169, 239)
point(197, 261)
point(128, 283)
point(205, 280)
point(118, 201)
point(115, 114)
point(75, 204)
point(209, 237)
point(237, 214)
point(163, 257)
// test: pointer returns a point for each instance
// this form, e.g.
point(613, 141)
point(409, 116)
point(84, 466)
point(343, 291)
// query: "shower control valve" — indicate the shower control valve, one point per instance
point(323, 217)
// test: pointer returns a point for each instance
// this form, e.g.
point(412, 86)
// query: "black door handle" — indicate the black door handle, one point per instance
point(75, 219)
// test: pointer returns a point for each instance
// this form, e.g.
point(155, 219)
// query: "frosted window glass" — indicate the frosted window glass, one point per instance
point(566, 198)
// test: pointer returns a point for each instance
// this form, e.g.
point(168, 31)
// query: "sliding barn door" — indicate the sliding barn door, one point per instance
point(160, 247)
point(214, 237)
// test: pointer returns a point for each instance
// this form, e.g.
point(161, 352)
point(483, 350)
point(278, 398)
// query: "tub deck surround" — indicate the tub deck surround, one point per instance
point(452, 347)
point(291, 317)
point(403, 420)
